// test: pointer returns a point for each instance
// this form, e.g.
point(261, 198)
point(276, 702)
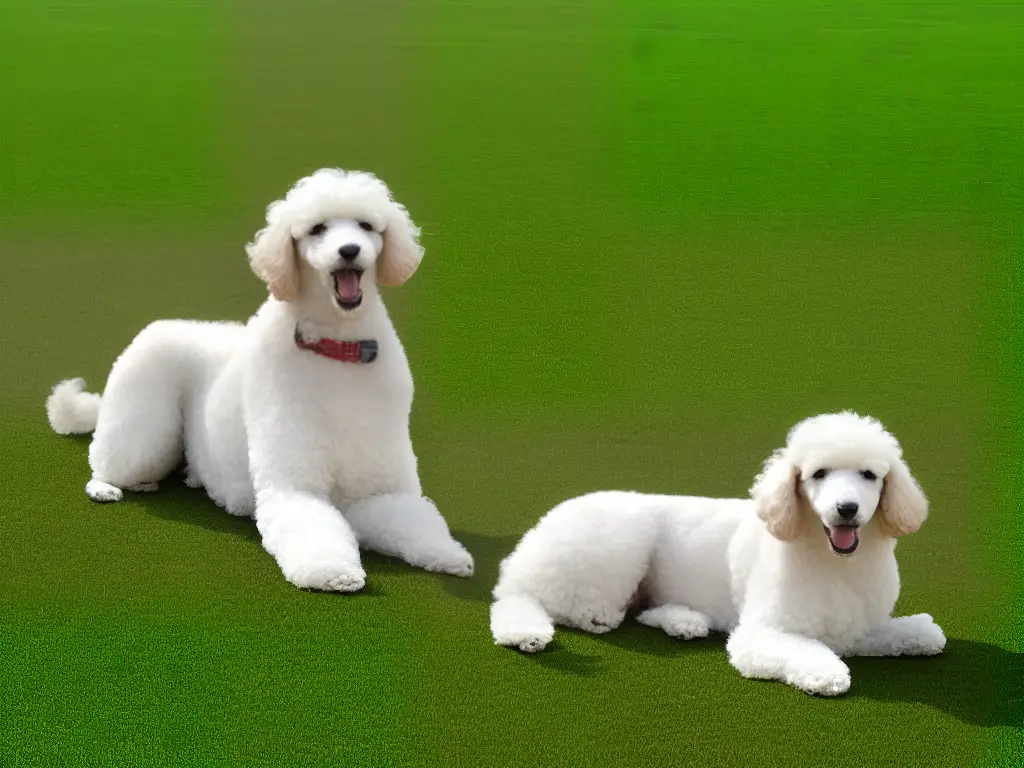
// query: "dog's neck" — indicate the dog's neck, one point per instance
point(317, 316)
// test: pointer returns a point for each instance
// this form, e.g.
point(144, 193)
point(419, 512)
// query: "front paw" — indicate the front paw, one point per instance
point(829, 680)
point(677, 621)
point(328, 572)
point(457, 562)
point(102, 493)
point(929, 638)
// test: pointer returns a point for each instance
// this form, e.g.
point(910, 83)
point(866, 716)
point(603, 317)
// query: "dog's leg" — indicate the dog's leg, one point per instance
point(522, 622)
point(310, 540)
point(677, 621)
point(916, 635)
point(409, 526)
point(139, 439)
point(768, 654)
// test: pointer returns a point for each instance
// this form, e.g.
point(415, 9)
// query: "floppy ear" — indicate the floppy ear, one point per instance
point(903, 506)
point(776, 498)
point(273, 258)
point(402, 252)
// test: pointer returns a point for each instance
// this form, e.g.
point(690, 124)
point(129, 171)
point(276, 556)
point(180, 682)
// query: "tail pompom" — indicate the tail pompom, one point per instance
point(71, 410)
point(520, 621)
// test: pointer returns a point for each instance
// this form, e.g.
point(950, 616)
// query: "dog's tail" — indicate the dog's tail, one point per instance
point(521, 621)
point(71, 410)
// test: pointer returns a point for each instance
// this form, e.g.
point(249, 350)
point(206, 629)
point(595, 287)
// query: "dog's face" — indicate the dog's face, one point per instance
point(342, 254)
point(838, 472)
point(334, 235)
point(844, 499)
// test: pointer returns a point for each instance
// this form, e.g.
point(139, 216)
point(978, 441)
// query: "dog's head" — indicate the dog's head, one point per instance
point(837, 473)
point(338, 234)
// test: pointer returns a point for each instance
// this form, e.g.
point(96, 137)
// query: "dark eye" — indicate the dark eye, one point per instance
point(366, 225)
point(867, 474)
point(317, 230)
point(820, 474)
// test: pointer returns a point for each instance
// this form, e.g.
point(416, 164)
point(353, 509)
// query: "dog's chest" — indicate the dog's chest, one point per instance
point(839, 606)
point(358, 399)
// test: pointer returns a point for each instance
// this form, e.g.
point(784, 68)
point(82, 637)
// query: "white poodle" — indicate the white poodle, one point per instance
point(799, 576)
point(299, 418)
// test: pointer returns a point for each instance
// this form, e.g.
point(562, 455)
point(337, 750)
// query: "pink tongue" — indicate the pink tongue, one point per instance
point(842, 538)
point(347, 285)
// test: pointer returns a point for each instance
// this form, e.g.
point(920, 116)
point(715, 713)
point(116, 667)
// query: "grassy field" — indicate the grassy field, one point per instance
point(657, 235)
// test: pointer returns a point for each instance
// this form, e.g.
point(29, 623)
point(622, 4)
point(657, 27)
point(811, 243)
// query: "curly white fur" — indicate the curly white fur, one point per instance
point(800, 576)
point(317, 450)
point(71, 410)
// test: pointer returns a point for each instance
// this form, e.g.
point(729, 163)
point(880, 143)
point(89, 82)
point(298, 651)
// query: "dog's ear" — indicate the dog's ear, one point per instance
point(903, 507)
point(776, 497)
point(402, 252)
point(273, 257)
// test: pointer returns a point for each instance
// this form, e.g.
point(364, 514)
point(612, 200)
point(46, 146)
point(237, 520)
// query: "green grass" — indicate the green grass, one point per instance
point(657, 235)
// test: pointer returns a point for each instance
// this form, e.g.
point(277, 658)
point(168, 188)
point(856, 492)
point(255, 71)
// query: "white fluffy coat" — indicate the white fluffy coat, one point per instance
point(765, 570)
point(316, 449)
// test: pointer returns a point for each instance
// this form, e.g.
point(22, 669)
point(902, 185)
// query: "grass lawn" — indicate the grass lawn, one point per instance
point(658, 234)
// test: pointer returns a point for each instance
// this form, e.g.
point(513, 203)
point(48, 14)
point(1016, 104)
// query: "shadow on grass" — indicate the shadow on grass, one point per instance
point(488, 552)
point(561, 659)
point(176, 502)
point(977, 683)
point(630, 637)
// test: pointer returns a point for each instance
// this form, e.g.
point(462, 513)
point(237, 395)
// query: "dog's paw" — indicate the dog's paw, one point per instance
point(327, 575)
point(518, 621)
point(833, 681)
point(144, 488)
point(930, 640)
point(348, 582)
point(597, 622)
point(533, 644)
point(688, 629)
point(103, 493)
point(528, 639)
point(677, 621)
point(455, 563)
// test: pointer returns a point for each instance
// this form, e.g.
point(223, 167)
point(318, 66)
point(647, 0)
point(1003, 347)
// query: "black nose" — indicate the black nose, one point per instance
point(349, 251)
point(847, 509)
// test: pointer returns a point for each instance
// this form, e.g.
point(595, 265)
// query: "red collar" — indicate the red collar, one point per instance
point(345, 351)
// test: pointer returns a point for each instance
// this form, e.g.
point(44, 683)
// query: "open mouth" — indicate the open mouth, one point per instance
point(347, 292)
point(843, 538)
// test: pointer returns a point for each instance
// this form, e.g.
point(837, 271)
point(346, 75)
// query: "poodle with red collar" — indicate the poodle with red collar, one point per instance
point(300, 417)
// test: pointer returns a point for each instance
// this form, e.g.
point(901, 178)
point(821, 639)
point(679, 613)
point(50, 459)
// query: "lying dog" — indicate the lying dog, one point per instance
point(799, 576)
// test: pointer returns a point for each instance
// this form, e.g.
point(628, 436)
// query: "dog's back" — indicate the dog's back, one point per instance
point(584, 562)
point(139, 420)
point(690, 562)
